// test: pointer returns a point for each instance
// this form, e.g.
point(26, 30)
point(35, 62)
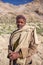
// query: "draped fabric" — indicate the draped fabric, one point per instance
point(28, 41)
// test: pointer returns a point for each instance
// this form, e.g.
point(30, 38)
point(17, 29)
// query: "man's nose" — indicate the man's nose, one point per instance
point(19, 23)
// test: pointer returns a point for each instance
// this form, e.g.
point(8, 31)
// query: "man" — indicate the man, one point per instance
point(22, 44)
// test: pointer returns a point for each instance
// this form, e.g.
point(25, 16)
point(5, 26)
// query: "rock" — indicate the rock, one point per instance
point(4, 41)
point(8, 12)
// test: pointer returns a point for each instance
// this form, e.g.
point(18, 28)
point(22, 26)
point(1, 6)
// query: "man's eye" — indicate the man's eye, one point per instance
point(22, 22)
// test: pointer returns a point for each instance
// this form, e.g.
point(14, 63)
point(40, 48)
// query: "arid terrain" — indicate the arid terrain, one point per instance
point(34, 14)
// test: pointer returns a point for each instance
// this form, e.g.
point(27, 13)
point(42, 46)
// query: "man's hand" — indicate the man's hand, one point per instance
point(14, 55)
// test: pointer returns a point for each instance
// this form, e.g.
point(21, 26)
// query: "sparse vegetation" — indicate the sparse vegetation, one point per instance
point(9, 27)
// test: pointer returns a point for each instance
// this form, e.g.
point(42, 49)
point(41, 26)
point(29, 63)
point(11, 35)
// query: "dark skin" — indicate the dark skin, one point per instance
point(20, 23)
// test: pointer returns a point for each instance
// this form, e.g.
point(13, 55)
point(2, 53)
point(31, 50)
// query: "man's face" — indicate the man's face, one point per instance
point(20, 23)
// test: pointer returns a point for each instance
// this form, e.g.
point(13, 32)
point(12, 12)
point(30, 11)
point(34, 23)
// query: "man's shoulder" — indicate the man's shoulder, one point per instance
point(12, 34)
point(32, 27)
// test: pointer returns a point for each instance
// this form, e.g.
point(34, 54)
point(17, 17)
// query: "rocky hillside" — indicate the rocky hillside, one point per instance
point(34, 14)
point(33, 10)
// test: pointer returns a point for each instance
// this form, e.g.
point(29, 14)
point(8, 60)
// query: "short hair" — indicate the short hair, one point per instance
point(21, 17)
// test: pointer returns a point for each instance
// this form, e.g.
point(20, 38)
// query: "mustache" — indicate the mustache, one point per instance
point(19, 26)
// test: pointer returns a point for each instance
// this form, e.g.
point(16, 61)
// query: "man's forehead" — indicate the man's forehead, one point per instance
point(20, 20)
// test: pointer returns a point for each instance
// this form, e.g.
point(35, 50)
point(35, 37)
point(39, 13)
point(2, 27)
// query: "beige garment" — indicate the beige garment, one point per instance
point(27, 43)
point(28, 36)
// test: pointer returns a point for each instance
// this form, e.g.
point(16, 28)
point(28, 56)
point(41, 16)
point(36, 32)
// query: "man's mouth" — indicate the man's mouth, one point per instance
point(19, 26)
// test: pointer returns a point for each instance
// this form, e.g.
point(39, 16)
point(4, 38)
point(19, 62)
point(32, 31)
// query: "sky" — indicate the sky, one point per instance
point(17, 2)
